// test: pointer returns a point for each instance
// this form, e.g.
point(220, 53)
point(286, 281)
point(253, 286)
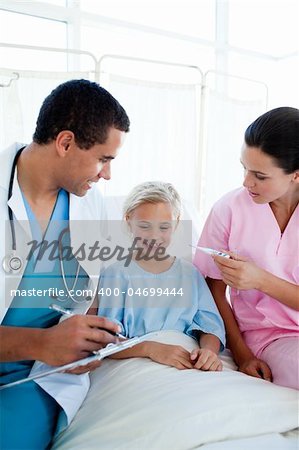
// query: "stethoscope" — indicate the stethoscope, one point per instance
point(69, 292)
point(13, 263)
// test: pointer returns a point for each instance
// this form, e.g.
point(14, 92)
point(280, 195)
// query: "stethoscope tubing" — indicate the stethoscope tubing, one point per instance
point(10, 187)
point(8, 258)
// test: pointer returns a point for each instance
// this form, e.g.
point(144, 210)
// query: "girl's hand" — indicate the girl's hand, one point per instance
point(171, 355)
point(238, 272)
point(256, 368)
point(83, 369)
point(205, 359)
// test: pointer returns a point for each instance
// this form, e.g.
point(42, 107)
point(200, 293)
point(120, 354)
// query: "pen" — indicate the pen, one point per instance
point(68, 312)
point(211, 251)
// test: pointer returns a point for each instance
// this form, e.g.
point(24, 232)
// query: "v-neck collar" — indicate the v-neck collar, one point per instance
point(291, 219)
point(34, 223)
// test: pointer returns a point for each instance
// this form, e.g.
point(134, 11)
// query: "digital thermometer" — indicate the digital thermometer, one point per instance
point(211, 251)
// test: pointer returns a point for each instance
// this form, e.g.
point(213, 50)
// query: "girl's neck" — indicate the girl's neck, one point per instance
point(153, 265)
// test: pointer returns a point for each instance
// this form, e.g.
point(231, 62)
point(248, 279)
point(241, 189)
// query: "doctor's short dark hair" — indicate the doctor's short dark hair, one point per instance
point(276, 133)
point(83, 107)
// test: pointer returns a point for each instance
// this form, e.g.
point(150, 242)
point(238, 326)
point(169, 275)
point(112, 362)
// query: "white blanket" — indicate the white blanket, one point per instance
point(139, 404)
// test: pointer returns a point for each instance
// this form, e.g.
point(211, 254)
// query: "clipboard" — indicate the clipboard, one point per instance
point(110, 349)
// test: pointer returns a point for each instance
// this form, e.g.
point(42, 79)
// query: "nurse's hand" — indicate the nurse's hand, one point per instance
point(75, 338)
point(238, 272)
point(256, 368)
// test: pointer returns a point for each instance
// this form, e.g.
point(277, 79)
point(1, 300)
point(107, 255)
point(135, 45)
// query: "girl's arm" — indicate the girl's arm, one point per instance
point(243, 274)
point(209, 342)
point(206, 357)
point(170, 355)
point(243, 356)
point(138, 351)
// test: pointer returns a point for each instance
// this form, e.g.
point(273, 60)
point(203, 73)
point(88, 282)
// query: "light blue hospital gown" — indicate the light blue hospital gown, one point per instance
point(28, 414)
point(142, 302)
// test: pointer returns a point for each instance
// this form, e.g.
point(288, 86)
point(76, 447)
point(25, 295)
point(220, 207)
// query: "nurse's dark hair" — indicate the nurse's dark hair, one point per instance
point(83, 107)
point(276, 133)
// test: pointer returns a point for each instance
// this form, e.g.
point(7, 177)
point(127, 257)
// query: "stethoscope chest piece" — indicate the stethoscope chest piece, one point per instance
point(12, 263)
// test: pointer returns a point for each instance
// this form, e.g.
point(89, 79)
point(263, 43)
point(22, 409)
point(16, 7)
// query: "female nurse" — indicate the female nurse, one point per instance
point(258, 225)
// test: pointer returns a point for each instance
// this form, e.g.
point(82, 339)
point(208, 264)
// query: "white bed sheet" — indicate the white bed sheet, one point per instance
point(139, 404)
point(273, 441)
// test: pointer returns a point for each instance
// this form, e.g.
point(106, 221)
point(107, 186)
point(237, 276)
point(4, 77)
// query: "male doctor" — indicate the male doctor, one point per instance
point(79, 130)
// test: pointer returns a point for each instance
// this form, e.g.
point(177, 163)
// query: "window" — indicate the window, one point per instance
point(55, 2)
point(29, 30)
point(189, 17)
point(268, 26)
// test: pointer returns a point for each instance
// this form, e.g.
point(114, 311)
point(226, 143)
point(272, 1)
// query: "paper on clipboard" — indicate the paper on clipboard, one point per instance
point(110, 349)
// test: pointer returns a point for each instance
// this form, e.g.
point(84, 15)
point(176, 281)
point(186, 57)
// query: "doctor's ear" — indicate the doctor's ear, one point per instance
point(63, 142)
point(296, 177)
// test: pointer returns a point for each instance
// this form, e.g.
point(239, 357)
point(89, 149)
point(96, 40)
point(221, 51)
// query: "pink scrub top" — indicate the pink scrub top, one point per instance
point(238, 224)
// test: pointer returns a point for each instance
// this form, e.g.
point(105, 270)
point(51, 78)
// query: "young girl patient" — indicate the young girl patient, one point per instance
point(160, 292)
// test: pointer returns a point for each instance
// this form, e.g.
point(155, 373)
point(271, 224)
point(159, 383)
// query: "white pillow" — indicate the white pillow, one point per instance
point(139, 404)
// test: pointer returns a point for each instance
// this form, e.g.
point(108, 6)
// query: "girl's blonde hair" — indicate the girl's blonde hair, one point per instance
point(153, 192)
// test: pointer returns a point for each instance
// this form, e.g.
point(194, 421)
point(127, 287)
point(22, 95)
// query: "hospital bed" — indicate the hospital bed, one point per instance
point(137, 404)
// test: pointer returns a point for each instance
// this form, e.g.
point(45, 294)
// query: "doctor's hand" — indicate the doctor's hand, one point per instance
point(239, 272)
point(75, 338)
